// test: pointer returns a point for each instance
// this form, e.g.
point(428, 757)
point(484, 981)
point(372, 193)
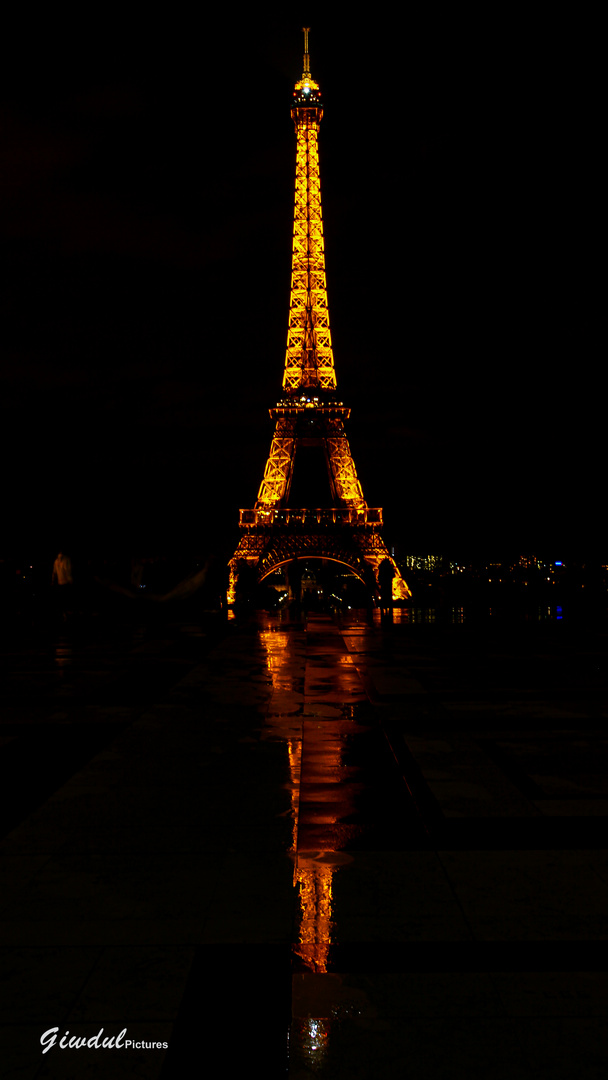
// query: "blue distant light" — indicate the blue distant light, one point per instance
point(559, 564)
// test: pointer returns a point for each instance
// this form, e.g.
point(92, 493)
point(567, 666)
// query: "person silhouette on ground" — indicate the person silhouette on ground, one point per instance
point(386, 573)
point(62, 576)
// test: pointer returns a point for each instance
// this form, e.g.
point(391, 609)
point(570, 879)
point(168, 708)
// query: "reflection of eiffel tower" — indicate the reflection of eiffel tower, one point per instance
point(309, 416)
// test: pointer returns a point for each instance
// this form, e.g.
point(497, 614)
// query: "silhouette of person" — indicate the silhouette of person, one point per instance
point(386, 573)
point(62, 576)
point(62, 570)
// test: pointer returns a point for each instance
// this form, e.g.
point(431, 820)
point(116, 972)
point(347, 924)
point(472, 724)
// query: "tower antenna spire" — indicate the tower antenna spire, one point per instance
point(306, 71)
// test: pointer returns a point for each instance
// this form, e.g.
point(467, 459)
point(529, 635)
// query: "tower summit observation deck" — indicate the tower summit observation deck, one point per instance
point(309, 415)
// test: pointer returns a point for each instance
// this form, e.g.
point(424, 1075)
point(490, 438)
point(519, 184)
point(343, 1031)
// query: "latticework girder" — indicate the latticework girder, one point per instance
point(289, 432)
point(309, 361)
point(279, 467)
point(340, 460)
point(275, 533)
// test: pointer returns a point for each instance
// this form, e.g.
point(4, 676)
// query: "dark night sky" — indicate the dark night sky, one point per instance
point(147, 224)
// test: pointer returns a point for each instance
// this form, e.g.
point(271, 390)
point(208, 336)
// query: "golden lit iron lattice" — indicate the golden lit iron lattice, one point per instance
point(309, 413)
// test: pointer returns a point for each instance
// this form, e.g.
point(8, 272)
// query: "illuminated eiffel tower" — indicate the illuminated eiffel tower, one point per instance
point(309, 415)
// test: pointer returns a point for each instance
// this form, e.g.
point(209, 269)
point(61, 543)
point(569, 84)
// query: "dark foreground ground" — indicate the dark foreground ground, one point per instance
point(313, 848)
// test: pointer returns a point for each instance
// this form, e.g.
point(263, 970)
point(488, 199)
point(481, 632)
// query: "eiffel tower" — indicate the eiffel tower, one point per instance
point(309, 415)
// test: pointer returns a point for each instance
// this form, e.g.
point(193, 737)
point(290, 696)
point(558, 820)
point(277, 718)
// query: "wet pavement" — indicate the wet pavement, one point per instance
point(316, 848)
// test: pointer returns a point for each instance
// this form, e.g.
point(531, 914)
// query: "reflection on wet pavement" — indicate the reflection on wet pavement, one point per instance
point(346, 795)
point(388, 838)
